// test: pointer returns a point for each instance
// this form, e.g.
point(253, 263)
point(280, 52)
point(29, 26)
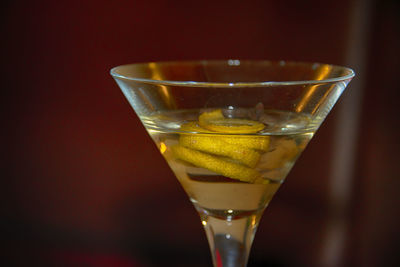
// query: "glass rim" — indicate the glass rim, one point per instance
point(233, 62)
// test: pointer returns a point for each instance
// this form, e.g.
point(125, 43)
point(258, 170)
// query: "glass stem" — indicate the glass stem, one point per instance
point(230, 238)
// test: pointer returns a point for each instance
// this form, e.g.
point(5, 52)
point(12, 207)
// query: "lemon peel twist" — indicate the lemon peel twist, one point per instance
point(209, 143)
point(253, 142)
point(215, 164)
point(218, 146)
point(215, 121)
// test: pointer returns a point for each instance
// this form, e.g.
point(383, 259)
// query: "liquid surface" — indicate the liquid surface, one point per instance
point(225, 174)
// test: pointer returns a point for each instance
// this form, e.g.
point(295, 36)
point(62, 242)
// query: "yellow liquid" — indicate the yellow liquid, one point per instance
point(224, 197)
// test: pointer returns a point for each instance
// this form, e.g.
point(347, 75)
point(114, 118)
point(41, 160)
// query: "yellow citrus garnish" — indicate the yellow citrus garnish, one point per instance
point(233, 126)
point(209, 144)
point(193, 127)
point(211, 115)
point(218, 146)
point(253, 142)
point(217, 165)
point(215, 121)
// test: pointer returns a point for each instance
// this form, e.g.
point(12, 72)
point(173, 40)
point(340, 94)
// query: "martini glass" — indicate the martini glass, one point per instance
point(231, 131)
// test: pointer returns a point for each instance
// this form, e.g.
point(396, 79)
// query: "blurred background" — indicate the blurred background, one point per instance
point(83, 185)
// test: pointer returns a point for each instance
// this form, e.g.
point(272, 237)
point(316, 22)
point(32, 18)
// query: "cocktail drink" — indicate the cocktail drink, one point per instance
point(231, 131)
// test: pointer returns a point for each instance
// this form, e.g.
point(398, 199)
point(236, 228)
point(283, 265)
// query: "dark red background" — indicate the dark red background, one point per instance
point(84, 185)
